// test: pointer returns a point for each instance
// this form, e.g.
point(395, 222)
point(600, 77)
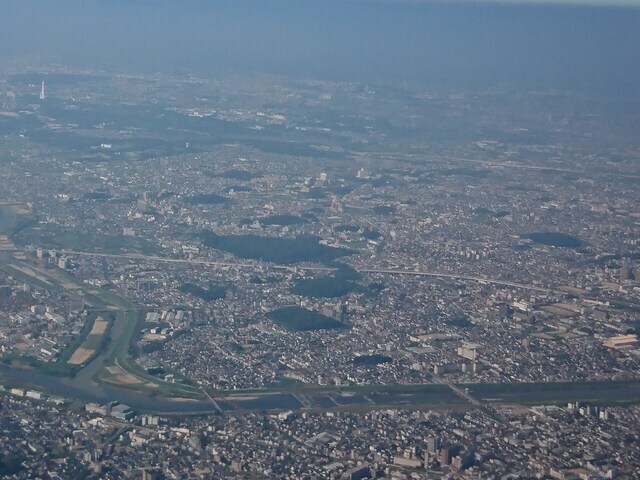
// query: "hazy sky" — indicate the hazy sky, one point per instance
point(438, 43)
point(632, 3)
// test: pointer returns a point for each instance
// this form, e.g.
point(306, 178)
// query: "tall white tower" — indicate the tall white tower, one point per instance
point(42, 91)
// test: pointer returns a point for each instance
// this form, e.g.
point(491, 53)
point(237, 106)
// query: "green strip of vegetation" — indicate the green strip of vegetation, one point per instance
point(512, 388)
point(50, 368)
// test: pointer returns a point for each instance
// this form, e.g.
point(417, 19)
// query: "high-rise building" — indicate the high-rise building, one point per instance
point(362, 174)
point(5, 292)
point(433, 444)
point(626, 272)
point(445, 456)
point(469, 351)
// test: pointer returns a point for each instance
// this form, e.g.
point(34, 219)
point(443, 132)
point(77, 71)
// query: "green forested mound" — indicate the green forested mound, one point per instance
point(298, 319)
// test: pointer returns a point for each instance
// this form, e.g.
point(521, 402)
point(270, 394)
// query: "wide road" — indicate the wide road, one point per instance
point(586, 172)
point(384, 271)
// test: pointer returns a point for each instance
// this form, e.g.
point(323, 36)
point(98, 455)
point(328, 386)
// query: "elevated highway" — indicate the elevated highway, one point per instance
point(250, 265)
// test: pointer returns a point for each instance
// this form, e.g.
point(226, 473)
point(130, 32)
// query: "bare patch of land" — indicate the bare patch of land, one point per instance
point(99, 327)
point(31, 273)
point(88, 348)
point(119, 377)
point(80, 356)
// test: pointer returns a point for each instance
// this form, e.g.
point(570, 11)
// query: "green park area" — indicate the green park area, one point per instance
point(274, 249)
point(597, 392)
point(52, 236)
point(324, 287)
point(298, 319)
point(555, 239)
point(212, 292)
